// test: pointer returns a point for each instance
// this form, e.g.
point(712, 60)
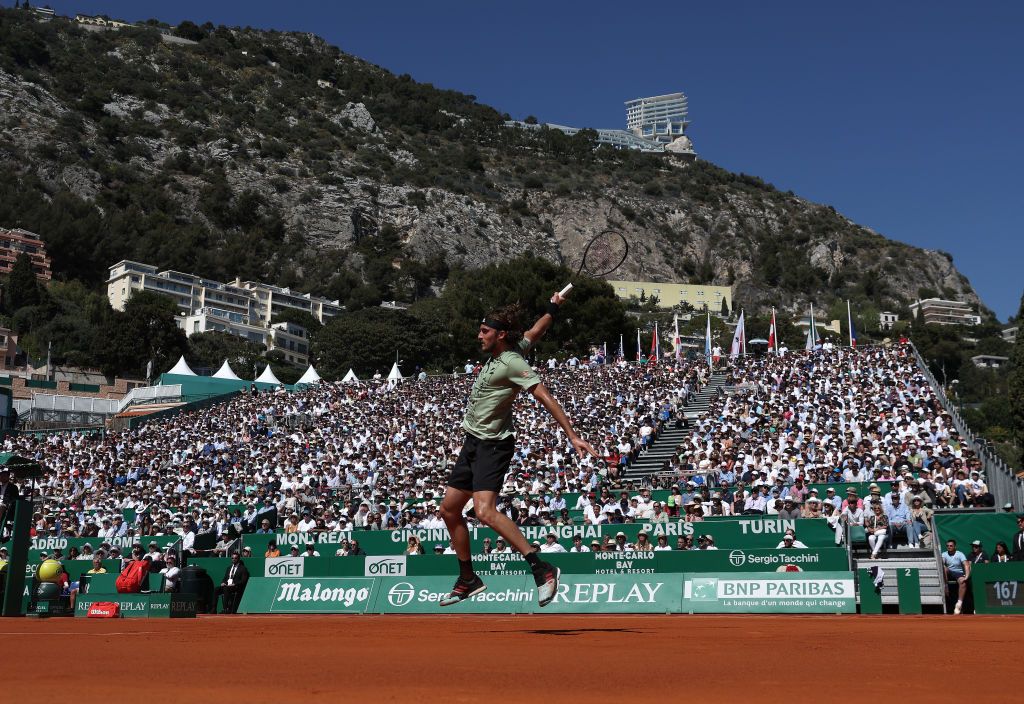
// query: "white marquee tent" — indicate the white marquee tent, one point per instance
point(310, 376)
point(225, 372)
point(267, 377)
point(395, 374)
point(182, 368)
point(350, 378)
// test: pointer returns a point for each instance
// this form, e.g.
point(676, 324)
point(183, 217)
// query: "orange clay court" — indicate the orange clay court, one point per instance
point(480, 658)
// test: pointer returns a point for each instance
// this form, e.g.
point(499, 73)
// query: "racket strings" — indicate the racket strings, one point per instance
point(605, 253)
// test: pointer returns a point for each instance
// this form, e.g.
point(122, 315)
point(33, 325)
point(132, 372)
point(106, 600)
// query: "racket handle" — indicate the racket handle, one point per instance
point(564, 291)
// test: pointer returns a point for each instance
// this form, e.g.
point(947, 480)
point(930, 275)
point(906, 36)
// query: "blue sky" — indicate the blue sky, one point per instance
point(904, 116)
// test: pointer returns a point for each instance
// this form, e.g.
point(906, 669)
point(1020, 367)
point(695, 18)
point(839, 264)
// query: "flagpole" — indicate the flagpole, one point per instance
point(639, 348)
point(773, 335)
point(657, 342)
point(622, 347)
point(849, 321)
point(675, 340)
point(744, 338)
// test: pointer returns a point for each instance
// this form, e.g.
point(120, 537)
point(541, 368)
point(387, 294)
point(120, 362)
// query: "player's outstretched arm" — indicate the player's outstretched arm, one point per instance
point(544, 322)
point(541, 393)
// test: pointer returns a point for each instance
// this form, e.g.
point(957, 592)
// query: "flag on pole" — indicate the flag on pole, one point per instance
point(739, 343)
point(773, 343)
point(812, 333)
point(639, 347)
point(654, 342)
point(849, 321)
point(707, 342)
point(622, 347)
point(677, 343)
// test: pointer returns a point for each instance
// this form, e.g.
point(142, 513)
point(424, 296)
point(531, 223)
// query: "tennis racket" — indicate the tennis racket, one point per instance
point(603, 254)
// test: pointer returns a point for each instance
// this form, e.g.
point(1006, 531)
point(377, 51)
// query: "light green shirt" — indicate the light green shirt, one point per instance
point(489, 416)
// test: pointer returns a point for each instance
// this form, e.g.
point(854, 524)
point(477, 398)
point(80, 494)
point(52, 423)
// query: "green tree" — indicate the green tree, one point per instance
point(23, 288)
point(367, 340)
point(146, 330)
point(725, 308)
point(210, 349)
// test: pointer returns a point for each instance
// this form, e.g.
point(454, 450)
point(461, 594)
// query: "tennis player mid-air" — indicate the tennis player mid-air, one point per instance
point(479, 473)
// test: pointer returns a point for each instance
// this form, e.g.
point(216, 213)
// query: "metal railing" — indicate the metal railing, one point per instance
point(149, 394)
point(1002, 480)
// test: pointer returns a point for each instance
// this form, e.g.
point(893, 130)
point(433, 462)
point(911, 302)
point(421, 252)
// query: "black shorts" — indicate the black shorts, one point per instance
point(482, 464)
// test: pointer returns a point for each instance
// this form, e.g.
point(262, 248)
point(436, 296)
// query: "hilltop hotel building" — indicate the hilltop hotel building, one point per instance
point(656, 124)
point(243, 308)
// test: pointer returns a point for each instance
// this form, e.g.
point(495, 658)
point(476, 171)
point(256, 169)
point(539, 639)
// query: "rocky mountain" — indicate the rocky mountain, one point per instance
point(235, 152)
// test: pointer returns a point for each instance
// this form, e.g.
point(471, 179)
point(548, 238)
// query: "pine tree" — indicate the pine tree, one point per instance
point(725, 308)
point(22, 287)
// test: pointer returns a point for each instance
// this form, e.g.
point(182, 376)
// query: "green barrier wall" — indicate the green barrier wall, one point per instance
point(633, 563)
point(770, 592)
point(965, 528)
point(729, 532)
point(998, 588)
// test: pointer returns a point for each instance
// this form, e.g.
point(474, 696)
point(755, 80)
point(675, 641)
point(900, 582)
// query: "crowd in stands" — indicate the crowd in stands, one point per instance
point(336, 456)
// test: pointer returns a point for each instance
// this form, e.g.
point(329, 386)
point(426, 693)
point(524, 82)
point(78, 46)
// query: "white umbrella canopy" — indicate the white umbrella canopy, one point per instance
point(350, 378)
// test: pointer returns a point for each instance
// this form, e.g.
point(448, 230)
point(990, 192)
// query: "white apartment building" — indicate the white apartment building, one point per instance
point(886, 319)
point(938, 311)
point(661, 118)
point(244, 308)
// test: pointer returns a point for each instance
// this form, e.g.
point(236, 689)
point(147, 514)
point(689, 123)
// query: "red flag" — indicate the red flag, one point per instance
point(772, 344)
point(654, 344)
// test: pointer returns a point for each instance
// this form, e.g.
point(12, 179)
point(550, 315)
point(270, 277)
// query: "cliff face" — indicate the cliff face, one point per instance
point(275, 156)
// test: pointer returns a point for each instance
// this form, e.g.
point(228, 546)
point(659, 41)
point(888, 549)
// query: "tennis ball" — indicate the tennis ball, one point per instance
point(49, 570)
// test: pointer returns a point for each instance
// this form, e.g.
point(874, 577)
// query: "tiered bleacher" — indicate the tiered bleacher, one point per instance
point(339, 475)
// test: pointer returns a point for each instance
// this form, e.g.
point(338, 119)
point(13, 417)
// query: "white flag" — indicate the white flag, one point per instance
point(739, 339)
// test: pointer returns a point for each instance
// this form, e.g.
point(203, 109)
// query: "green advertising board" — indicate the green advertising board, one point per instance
point(660, 562)
point(308, 595)
point(750, 532)
point(142, 605)
point(770, 592)
point(998, 588)
point(517, 594)
point(49, 545)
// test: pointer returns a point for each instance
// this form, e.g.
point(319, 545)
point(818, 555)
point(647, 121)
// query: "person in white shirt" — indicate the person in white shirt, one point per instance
point(307, 523)
point(310, 551)
point(501, 547)
point(662, 544)
point(450, 550)
point(577, 544)
point(171, 574)
point(551, 544)
point(790, 542)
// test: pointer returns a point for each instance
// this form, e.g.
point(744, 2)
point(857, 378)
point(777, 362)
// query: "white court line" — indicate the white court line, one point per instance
point(85, 633)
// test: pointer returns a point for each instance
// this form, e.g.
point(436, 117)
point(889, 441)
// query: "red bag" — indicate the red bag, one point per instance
point(131, 577)
point(104, 609)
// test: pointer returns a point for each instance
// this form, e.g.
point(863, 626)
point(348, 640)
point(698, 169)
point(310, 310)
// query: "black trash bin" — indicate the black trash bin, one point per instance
point(195, 580)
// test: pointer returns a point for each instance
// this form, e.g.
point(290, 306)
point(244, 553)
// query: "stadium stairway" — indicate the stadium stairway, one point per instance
point(904, 557)
point(701, 402)
point(655, 458)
